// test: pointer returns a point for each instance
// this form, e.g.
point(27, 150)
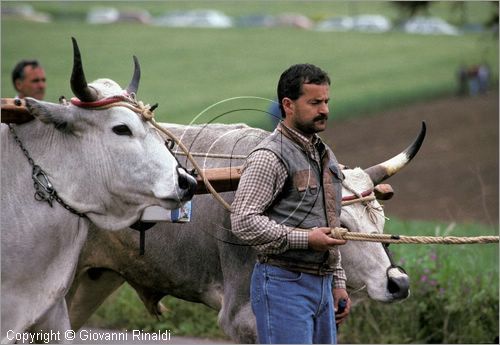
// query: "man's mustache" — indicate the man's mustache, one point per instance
point(321, 117)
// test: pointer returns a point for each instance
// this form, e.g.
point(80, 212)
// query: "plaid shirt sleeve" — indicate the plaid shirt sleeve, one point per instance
point(262, 179)
point(339, 277)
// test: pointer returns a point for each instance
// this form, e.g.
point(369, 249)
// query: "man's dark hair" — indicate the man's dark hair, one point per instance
point(291, 81)
point(18, 71)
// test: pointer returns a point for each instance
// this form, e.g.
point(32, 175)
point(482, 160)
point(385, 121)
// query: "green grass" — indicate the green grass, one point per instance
point(454, 296)
point(188, 70)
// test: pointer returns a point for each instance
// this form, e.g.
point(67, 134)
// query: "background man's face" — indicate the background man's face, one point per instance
point(33, 84)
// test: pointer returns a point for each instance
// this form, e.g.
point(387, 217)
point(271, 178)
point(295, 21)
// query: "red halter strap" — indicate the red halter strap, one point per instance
point(96, 104)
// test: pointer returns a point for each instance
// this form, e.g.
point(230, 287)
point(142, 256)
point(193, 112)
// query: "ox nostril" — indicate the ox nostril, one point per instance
point(392, 286)
point(183, 179)
point(186, 182)
point(399, 287)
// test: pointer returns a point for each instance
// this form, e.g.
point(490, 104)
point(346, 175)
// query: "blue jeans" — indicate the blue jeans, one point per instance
point(292, 307)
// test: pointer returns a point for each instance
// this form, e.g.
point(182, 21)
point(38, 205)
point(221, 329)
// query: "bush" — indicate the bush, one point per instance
point(454, 292)
point(452, 308)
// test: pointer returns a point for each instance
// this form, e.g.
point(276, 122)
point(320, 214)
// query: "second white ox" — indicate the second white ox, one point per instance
point(89, 166)
point(203, 262)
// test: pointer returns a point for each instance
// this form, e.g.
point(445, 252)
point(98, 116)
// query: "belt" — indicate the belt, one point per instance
point(297, 266)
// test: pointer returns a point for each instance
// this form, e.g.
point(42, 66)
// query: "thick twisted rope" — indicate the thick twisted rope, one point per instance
point(344, 234)
point(147, 113)
point(207, 183)
point(341, 233)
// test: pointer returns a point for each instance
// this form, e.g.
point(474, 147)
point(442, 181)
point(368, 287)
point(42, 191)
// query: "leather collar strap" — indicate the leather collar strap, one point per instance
point(353, 197)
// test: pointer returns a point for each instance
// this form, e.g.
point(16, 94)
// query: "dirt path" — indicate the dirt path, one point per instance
point(454, 178)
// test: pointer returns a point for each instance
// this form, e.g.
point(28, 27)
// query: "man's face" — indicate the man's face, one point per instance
point(308, 113)
point(33, 84)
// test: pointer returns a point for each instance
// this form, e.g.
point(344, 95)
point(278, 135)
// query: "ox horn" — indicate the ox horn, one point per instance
point(79, 85)
point(382, 171)
point(134, 83)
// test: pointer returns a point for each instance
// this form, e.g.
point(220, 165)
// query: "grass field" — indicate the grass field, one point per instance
point(188, 70)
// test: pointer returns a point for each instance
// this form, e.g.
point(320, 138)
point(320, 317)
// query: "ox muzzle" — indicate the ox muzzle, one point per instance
point(398, 282)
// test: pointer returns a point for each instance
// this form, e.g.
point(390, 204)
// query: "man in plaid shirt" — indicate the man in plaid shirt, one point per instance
point(288, 198)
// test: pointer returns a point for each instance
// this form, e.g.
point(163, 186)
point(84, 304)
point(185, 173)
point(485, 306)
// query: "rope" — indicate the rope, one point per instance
point(208, 185)
point(147, 113)
point(341, 233)
point(344, 234)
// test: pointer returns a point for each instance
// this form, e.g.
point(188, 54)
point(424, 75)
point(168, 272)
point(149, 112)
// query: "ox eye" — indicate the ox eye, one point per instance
point(122, 130)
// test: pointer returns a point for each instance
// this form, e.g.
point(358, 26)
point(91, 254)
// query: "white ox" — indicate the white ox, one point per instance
point(203, 262)
point(106, 165)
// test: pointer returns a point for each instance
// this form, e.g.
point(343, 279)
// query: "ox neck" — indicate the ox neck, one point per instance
point(44, 190)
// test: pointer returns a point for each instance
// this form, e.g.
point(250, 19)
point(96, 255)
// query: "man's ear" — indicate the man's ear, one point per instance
point(17, 84)
point(288, 105)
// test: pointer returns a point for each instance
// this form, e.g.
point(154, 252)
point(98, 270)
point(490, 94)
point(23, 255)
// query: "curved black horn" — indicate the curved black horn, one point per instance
point(134, 83)
point(382, 171)
point(78, 82)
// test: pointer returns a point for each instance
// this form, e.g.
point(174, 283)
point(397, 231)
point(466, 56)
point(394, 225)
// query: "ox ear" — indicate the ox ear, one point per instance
point(57, 114)
point(383, 191)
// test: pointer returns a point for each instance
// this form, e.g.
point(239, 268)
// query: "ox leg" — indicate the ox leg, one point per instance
point(239, 323)
point(88, 292)
point(236, 318)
